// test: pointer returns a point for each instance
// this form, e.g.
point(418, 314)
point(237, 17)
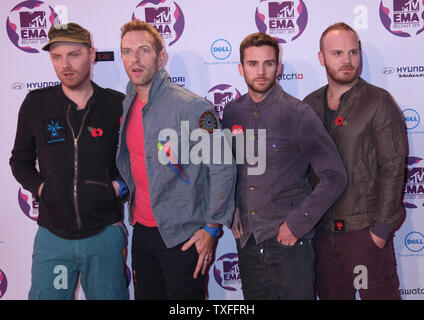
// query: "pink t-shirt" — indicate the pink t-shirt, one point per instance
point(141, 208)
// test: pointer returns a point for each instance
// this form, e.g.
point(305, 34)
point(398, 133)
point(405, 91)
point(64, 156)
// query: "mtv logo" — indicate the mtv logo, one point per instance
point(415, 175)
point(36, 19)
point(406, 5)
point(158, 15)
point(230, 266)
point(284, 9)
point(222, 98)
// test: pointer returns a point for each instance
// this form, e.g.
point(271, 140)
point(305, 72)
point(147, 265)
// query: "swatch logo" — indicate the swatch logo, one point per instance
point(220, 95)
point(28, 204)
point(226, 272)
point(28, 24)
point(3, 283)
point(167, 18)
point(403, 18)
point(283, 20)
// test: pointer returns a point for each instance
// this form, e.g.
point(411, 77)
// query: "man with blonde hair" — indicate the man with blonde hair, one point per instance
point(176, 209)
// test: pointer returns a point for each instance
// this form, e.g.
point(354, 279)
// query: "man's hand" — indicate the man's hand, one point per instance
point(40, 189)
point(116, 187)
point(236, 227)
point(379, 242)
point(205, 246)
point(285, 236)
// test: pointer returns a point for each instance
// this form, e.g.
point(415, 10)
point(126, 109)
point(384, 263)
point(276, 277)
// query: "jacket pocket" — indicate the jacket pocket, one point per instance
point(282, 207)
point(97, 195)
point(276, 151)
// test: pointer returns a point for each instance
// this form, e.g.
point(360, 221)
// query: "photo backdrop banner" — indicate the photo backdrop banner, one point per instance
point(202, 41)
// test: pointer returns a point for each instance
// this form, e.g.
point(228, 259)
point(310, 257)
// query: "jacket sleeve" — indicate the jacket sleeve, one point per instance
point(392, 149)
point(222, 172)
point(319, 148)
point(23, 159)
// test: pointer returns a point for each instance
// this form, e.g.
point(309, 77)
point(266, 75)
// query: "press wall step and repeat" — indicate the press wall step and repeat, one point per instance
point(202, 41)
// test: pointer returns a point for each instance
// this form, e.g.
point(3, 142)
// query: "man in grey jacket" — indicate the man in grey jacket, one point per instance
point(278, 209)
point(178, 199)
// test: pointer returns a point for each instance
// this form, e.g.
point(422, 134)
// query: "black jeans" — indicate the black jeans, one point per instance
point(275, 272)
point(160, 273)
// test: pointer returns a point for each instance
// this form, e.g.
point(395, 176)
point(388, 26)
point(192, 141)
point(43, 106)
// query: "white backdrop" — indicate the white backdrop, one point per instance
point(202, 39)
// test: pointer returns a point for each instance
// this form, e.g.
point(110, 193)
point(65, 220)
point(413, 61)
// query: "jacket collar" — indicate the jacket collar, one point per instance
point(68, 101)
point(158, 83)
point(269, 98)
point(321, 94)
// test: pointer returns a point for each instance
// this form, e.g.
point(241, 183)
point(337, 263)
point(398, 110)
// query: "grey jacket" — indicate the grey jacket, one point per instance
point(184, 196)
point(295, 139)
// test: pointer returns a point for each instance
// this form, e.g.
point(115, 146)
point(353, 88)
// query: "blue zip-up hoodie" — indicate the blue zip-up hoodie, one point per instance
point(183, 196)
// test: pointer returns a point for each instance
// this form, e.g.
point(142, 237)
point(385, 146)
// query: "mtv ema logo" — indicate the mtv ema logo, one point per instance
point(220, 95)
point(403, 18)
point(28, 24)
point(226, 272)
point(28, 204)
point(414, 187)
point(283, 20)
point(3, 283)
point(165, 15)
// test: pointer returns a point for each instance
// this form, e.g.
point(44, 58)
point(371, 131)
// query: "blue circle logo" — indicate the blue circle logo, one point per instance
point(412, 118)
point(221, 49)
point(414, 241)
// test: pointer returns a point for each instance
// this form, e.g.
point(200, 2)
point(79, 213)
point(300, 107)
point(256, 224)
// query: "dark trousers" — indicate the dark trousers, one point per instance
point(272, 271)
point(351, 261)
point(160, 273)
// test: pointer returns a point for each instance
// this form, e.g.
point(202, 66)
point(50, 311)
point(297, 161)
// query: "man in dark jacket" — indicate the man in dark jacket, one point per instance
point(354, 246)
point(277, 210)
point(72, 130)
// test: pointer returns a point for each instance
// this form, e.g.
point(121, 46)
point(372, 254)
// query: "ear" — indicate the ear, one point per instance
point(321, 58)
point(279, 67)
point(162, 58)
point(92, 52)
point(241, 70)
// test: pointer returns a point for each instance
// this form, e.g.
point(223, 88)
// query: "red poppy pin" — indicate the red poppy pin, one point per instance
point(237, 129)
point(340, 121)
point(95, 132)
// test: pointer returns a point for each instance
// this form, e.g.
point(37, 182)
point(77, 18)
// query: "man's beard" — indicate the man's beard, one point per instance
point(339, 78)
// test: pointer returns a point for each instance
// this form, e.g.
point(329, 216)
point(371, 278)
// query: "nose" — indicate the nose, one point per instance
point(66, 63)
point(135, 57)
point(347, 58)
point(261, 69)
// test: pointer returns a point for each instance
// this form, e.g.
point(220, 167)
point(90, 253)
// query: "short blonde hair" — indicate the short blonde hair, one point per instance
point(138, 25)
point(337, 26)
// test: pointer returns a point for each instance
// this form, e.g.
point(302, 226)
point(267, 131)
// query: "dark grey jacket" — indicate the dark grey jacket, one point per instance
point(372, 142)
point(295, 139)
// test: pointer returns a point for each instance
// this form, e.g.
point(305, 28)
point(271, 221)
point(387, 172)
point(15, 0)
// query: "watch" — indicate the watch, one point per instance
point(215, 232)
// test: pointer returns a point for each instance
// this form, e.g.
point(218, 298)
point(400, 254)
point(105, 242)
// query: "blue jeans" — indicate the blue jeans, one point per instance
point(57, 264)
point(271, 271)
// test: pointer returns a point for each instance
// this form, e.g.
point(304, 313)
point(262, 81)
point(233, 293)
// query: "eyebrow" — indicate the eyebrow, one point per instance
point(266, 61)
point(142, 46)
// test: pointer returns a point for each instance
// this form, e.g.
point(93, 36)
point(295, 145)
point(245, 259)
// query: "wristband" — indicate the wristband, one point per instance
point(215, 232)
point(123, 189)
